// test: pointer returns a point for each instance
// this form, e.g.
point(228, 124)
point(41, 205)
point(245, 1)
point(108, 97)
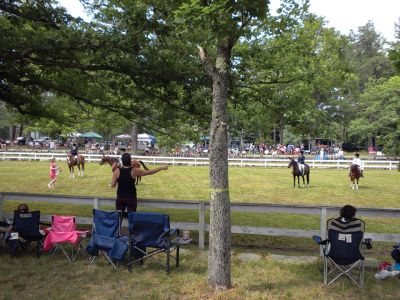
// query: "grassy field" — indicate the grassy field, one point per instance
point(379, 188)
point(54, 278)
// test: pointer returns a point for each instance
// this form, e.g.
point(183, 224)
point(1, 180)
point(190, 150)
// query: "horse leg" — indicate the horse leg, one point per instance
point(304, 183)
point(83, 168)
point(71, 172)
point(294, 181)
point(308, 180)
point(357, 184)
point(298, 181)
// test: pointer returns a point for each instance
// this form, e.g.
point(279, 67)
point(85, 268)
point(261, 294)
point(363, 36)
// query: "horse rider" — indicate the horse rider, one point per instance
point(357, 161)
point(74, 152)
point(300, 160)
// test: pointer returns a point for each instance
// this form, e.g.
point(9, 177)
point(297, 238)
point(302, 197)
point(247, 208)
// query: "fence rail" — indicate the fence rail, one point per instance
point(204, 161)
point(202, 206)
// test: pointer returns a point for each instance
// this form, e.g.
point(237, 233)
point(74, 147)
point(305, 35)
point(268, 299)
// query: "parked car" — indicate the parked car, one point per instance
point(43, 139)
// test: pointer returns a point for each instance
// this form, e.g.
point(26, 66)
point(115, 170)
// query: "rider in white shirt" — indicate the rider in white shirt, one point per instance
point(357, 161)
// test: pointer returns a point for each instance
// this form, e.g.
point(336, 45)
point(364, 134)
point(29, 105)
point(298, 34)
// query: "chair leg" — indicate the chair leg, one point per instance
point(168, 260)
point(325, 271)
point(177, 256)
point(362, 274)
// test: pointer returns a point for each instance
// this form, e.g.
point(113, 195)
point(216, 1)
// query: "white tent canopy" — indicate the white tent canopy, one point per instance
point(142, 137)
point(146, 137)
point(124, 136)
point(74, 134)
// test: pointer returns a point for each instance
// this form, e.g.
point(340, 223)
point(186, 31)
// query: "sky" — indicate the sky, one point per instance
point(344, 15)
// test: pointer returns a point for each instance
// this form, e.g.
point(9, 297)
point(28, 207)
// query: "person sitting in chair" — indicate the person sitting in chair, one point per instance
point(74, 152)
point(300, 160)
point(357, 161)
point(347, 214)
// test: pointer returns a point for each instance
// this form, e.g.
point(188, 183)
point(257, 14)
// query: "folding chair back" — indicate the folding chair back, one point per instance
point(106, 223)
point(345, 241)
point(148, 229)
point(343, 250)
point(63, 223)
point(27, 225)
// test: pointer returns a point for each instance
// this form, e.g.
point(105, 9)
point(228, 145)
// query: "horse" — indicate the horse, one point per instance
point(355, 175)
point(297, 173)
point(114, 163)
point(80, 162)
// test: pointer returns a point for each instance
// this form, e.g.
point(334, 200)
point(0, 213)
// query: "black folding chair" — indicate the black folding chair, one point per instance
point(152, 230)
point(27, 227)
point(342, 251)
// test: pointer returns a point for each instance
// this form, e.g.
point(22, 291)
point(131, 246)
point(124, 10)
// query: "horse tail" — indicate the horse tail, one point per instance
point(144, 166)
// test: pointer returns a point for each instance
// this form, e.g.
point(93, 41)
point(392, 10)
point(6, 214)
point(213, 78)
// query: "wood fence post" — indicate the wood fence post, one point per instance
point(96, 203)
point(202, 225)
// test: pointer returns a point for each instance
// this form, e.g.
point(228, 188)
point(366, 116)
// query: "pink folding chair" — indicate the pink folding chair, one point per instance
point(63, 231)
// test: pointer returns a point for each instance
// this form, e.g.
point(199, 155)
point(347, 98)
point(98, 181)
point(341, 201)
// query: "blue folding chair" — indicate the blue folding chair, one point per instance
point(342, 254)
point(106, 238)
point(152, 230)
point(27, 226)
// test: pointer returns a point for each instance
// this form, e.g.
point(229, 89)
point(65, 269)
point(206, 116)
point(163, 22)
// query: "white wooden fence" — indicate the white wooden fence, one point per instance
point(202, 206)
point(203, 161)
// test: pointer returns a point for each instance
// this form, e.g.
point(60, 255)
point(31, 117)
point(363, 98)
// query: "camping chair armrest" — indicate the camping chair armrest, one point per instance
point(368, 243)
point(170, 233)
point(317, 239)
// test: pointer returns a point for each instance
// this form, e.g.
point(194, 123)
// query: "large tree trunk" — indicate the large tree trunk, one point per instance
point(281, 129)
point(134, 134)
point(219, 255)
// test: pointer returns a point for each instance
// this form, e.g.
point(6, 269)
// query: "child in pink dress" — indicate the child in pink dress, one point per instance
point(53, 173)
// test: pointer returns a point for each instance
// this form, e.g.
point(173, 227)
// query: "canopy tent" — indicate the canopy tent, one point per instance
point(124, 136)
point(91, 135)
point(147, 137)
point(74, 134)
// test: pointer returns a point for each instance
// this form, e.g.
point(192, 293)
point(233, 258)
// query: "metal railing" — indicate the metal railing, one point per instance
point(201, 206)
point(204, 161)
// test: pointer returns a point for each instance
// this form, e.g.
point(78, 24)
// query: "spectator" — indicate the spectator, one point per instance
point(124, 176)
point(347, 213)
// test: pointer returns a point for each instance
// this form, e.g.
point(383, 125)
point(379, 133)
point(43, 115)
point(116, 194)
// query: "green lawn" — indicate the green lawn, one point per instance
point(379, 188)
point(271, 185)
point(52, 277)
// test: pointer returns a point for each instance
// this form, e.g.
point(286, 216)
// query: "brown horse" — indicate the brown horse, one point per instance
point(114, 163)
point(297, 173)
point(79, 162)
point(355, 175)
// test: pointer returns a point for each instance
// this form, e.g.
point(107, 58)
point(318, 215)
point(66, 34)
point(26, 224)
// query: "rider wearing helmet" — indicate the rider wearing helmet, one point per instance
point(357, 161)
point(74, 152)
point(300, 160)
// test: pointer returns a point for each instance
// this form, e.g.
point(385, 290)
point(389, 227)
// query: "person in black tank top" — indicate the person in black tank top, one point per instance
point(125, 176)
